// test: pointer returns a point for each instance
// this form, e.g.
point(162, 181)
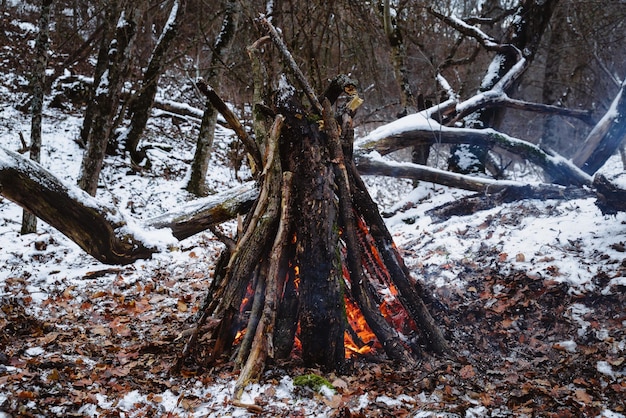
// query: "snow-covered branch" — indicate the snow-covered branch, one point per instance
point(102, 230)
point(417, 129)
point(471, 31)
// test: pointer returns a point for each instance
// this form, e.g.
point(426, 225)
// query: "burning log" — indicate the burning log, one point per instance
point(314, 270)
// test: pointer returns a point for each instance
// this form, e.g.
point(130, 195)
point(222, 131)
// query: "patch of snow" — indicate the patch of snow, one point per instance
point(388, 401)
point(476, 412)
point(492, 72)
point(610, 414)
point(577, 312)
point(569, 345)
point(35, 351)
point(605, 368)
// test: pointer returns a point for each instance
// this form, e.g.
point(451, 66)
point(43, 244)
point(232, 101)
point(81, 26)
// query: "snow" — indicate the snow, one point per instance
point(414, 121)
point(561, 241)
point(103, 85)
point(446, 86)
point(171, 21)
point(492, 72)
point(605, 368)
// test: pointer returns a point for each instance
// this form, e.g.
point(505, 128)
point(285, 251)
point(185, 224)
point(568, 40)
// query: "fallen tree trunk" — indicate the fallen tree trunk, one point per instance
point(417, 129)
point(483, 201)
point(611, 197)
point(101, 230)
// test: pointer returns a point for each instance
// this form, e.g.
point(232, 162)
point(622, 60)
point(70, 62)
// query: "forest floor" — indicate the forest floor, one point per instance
point(525, 346)
point(530, 296)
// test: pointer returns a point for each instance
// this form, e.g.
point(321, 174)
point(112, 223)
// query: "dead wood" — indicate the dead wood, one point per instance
point(561, 170)
point(262, 344)
point(370, 166)
point(198, 215)
point(606, 137)
point(251, 146)
point(98, 229)
point(611, 198)
point(101, 230)
point(359, 289)
point(259, 230)
point(412, 295)
point(484, 201)
point(292, 65)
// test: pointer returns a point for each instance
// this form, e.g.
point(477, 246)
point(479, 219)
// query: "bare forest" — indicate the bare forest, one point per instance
point(284, 208)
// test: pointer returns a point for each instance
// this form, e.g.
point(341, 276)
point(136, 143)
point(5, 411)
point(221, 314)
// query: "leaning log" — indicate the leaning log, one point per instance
point(98, 229)
point(606, 137)
point(417, 129)
point(101, 230)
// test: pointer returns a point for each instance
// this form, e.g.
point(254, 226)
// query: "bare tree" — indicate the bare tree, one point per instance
point(519, 48)
point(38, 82)
point(107, 96)
point(141, 105)
point(221, 49)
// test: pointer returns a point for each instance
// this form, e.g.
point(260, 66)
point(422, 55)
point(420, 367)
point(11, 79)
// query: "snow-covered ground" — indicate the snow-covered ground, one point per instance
point(56, 282)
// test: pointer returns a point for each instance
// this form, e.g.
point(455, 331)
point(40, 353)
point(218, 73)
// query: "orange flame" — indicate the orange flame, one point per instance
point(357, 321)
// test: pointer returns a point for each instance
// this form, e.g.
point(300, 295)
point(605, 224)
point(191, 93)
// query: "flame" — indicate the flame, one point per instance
point(357, 321)
point(239, 336)
point(352, 349)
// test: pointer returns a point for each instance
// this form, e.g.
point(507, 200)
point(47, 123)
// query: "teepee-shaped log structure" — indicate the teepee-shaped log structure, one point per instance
point(313, 268)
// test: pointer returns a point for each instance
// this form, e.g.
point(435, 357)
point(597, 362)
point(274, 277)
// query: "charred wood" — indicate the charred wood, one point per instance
point(611, 198)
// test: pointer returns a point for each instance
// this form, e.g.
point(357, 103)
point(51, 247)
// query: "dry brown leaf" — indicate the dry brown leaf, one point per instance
point(467, 372)
point(582, 396)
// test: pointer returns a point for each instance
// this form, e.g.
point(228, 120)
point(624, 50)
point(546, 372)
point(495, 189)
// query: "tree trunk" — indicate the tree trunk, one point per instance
point(408, 102)
point(100, 230)
point(525, 34)
point(29, 220)
point(141, 105)
point(92, 109)
point(320, 289)
point(197, 179)
point(107, 95)
point(606, 137)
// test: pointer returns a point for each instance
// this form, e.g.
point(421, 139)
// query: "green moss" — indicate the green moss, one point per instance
point(312, 381)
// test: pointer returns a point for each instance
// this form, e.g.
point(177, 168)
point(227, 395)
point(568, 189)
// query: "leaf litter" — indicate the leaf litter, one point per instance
point(529, 294)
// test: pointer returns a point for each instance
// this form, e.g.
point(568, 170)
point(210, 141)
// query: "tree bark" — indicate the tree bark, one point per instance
point(606, 137)
point(199, 167)
point(320, 290)
point(141, 105)
point(107, 95)
point(29, 220)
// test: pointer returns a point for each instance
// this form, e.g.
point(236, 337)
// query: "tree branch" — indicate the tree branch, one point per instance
point(405, 133)
point(471, 31)
point(293, 66)
point(251, 146)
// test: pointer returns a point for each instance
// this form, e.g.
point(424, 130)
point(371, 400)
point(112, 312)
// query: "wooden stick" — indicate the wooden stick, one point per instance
point(361, 293)
point(293, 66)
point(262, 345)
point(411, 293)
point(218, 103)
